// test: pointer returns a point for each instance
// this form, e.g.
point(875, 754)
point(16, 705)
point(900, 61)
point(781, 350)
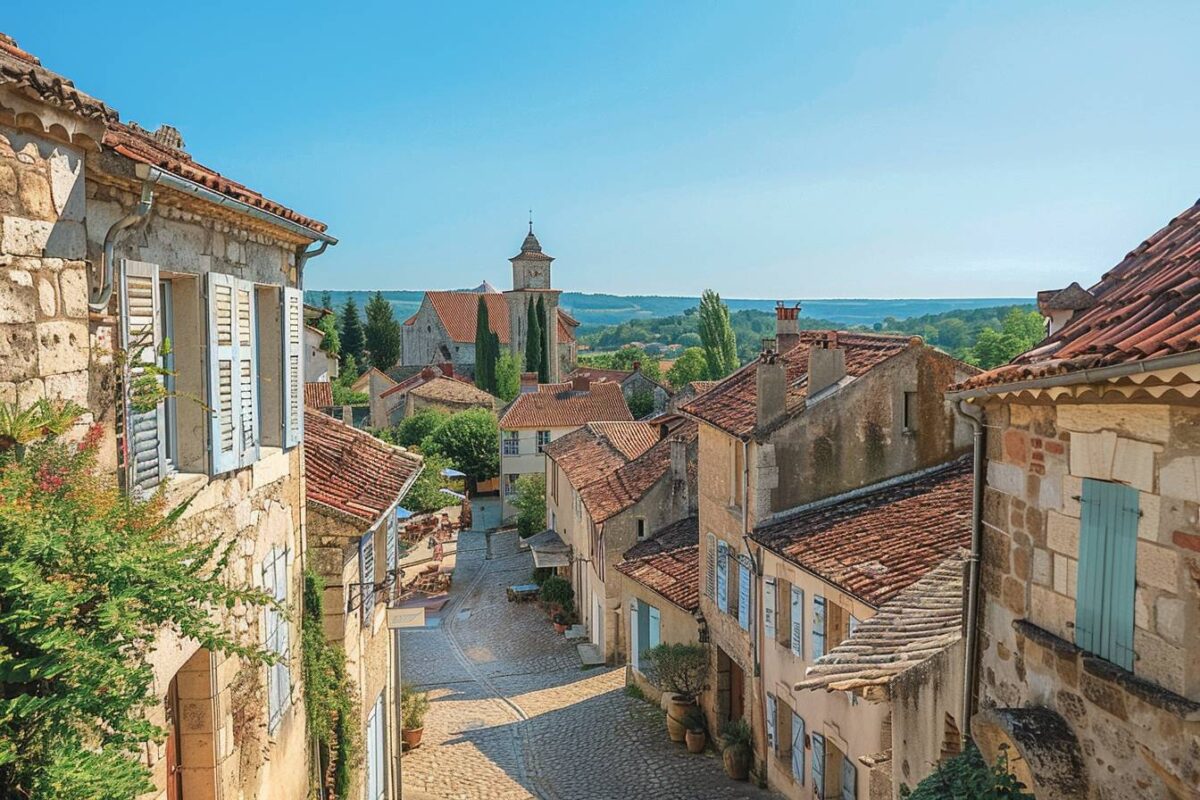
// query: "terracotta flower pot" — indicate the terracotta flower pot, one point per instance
point(677, 709)
point(560, 628)
point(695, 741)
point(411, 737)
point(737, 762)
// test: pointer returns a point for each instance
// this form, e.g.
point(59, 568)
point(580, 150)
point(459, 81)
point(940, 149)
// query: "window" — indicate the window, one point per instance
point(849, 779)
point(554, 481)
point(641, 529)
point(783, 733)
point(745, 586)
point(710, 566)
point(232, 391)
point(277, 636)
point(511, 443)
point(510, 484)
point(772, 719)
point(543, 439)
point(141, 339)
point(770, 613)
point(645, 630)
point(818, 627)
point(1105, 575)
point(374, 762)
point(366, 563)
point(798, 747)
point(818, 763)
point(722, 577)
point(910, 412)
point(797, 634)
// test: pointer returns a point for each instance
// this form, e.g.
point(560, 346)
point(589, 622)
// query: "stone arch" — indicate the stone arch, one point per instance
point(1040, 747)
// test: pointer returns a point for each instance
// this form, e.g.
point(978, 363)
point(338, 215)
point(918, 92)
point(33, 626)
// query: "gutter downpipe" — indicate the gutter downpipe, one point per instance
point(98, 302)
point(756, 571)
point(974, 415)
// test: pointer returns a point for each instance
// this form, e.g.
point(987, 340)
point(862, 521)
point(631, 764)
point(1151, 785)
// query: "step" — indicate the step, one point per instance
point(590, 655)
point(576, 632)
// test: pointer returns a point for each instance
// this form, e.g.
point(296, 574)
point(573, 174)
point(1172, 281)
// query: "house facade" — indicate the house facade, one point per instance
point(1087, 639)
point(115, 240)
point(355, 483)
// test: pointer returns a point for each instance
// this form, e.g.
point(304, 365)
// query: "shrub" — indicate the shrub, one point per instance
point(531, 504)
point(680, 669)
point(330, 705)
point(736, 735)
point(425, 422)
point(967, 776)
point(557, 591)
point(414, 705)
point(641, 403)
point(693, 719)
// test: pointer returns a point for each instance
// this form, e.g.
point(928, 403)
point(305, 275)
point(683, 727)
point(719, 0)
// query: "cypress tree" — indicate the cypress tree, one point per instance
point(544, 343)
point(533, 340)
point(353, 339)
point(485, 354)
point(382, 333)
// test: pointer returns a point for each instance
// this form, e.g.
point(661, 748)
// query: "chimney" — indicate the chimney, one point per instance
point(771, 380)
point(637, 366)
point(787, 327)
point(580, 383)
point(1059, 306)
point(529, 382)
point(427, 373)
point(448, 369)
point(826, 363)
point(679, 449)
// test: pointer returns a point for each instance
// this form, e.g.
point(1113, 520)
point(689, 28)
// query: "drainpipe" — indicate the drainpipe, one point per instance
point(756, 573)
point(974, 415)
point(99, 301)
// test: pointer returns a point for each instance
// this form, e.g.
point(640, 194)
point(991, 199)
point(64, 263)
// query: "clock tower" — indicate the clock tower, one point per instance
point(531, 280)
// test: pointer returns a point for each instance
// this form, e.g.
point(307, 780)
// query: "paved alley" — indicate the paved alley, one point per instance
point(515, 716)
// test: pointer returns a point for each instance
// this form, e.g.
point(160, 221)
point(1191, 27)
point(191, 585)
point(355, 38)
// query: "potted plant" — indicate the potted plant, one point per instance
point(564, 618)
point(680, 670)
point(737, 749)
point(413, 707)
point(556, 594)
point(693, 723)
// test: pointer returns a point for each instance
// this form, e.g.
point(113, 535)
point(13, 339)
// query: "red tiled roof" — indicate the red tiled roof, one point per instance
point(449, 390)
point(876, 541)
point(600, 375)
point(424, 375)
point(352, 473)
point(1147, 306)
point(555, 405)
point(668, 564)
point(363, 382)
point(458, 312)
point(620, 489)
point(24, 72)
point(318, 394)
point(630, 438)
point(585, 456)
point(731, 404)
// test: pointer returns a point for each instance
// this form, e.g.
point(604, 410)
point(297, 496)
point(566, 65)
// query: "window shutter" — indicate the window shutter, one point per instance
point(655, 627)
point(293, 366)
point(390, 560)
point(141, 339)
point(772, 718)
point(643, 629)
point(710, 567)
point(818, 627)
point(223, 372)
point(722, 577)
point(1105, 576)
point(744, 587)
point(849, 779)
point(818, 765)
point(769, 607)
point(798, 747)
point(635, 651)
point(247, 378)
point(367, 576)
point(797, 622)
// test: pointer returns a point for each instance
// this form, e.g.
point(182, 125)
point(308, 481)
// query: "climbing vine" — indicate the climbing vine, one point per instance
point(967, 776)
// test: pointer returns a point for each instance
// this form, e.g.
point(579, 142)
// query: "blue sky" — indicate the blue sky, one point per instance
point(763, 149)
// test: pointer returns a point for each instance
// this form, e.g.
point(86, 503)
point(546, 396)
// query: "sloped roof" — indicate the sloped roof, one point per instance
point(363, 381)
point(1147, 306)
point(458, 312)
point(449, 390)
point(630, 438)
point(622, 488)
point(424, 375)
point(876, 541)
point(350, 473)
point(23, 71)
point(318, 394)
point(531, 249)
point(731, 405)
point(915, 625)
point(585, 456)
point(556, 405)
point(668, 563)
point(600, 375)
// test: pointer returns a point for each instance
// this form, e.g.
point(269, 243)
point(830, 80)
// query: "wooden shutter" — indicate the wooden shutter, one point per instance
point(772, 719)
point(769, 607)
point(797, 622)
point(141, 338)
point(818, 764)
point(643, 643)
point(1106, 571)
point(655, 627)
point(293, 366)
point(722, 577)
point(798, 747)
point(367, 576)
point(247, 378)
point(710, 567)
point(635, 651)
point(223, 372)
point(744, 589)
point(818, 627)
point(389, 558)
point(849, 779)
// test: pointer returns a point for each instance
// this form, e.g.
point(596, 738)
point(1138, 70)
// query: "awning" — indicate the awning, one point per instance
point(402, 513)
point(549, 550)
point(453, 473)
point(452, 492)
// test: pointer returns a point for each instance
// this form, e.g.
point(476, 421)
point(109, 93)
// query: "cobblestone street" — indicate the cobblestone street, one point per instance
point(515, 716)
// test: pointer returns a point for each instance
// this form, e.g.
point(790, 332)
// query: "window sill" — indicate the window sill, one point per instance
point(182, 486)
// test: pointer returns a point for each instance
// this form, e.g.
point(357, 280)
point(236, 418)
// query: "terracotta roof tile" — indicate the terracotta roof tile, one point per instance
point(425, 375)
point(555, 405)
point(458, 312)
point(318, 394)
point(630, 438)
point(620, 489)
point(1145, 307)
point(585, 456)
point(876, 541)
point(731, 404)
point(915, 625)
point(23, 72)
point(453, 391)
point(669, 563)
point(600, 375)
point(351, 472)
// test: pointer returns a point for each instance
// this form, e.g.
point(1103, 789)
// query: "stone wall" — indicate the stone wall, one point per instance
point(1133, 728)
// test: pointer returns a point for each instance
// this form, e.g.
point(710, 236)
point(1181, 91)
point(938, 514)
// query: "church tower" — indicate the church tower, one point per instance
point(531, 280)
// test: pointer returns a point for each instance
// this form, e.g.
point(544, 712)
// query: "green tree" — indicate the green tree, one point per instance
point(412, 430)
point(343, 395)
point(627, 355)
point(486, 349)
point(533, 339)
point(508, 377)
point(470, 440)
point(88, 580)
point(530, 502)
point(1021, 330)
point(543, 369)
point(382, 333)
point(332, 343)
point(690, 366)
point(641, 403)
point(326, 300)
point(716, 336)
point(353, 342)
point(426, 493)
point(967, 776)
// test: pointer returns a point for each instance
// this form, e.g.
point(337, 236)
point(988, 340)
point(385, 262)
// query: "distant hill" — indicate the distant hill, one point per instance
point(610, 309)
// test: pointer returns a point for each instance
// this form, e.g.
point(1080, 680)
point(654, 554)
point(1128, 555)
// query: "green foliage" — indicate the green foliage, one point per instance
point(641, 403)
point(967, 776)
point(1020, 331)
point(330, 697)
point(412, 430)
point(677, 668)
point(353, 339)
point(736, 734)
point(693, 720)
point(487, 349)
point(533, 339)
point(88, 580)
point(557, 591)
point(470, 441)
point(343, 395)
point(531, 504)
point(382, 333)
point(332, 343)
point(426, 493)
point(716, 336)
point(634, 691)
point(414, 705)
point(508, 377)
point(543, 362)
point(690, 366)
point(627, 355)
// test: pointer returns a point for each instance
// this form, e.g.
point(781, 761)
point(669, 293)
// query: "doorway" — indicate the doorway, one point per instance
point(731, 687)
point(598, 622)
point(174, 751)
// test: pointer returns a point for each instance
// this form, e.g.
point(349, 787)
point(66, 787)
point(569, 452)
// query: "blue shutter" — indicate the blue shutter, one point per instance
point(744, 586)
point(367, 576)
point(293, 367)
point(722, 577)
point(769, 607)
point(655, 620)
point(772, 718)
point(798, 748)
point(643, 622)
point(1106, 571)
point(818, 765)
point(849, 779)
point(797, 622)
point(818, 631)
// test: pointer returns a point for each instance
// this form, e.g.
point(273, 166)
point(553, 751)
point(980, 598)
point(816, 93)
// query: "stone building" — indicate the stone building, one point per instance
point(823, 413)
point(543, 413)
point(355, 483)
point(610, 485)
point(633, 382)
point(443, 329)
point(114, 240)
point(437, 388)
point(1086, 643)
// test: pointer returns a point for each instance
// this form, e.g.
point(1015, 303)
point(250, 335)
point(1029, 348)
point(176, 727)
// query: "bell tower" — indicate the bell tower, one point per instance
point(531, 267)
point(531, 281)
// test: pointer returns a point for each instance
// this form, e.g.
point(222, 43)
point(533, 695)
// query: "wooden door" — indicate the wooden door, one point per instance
point(174, 773)
point(737, 687)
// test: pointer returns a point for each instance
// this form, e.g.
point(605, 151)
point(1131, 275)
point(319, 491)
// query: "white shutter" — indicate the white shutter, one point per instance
point(367, 576)
point(634, 655)
point(141, 338)
point(769, 607)
point(710, 567)
point(772, 718)
point(744, 592)
point(797, 622)
point(723, 577)
point(293, 366)
point(247, 363)
point(818, 628)
point(223, 372)
point(655, 627)
point(798, 747)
